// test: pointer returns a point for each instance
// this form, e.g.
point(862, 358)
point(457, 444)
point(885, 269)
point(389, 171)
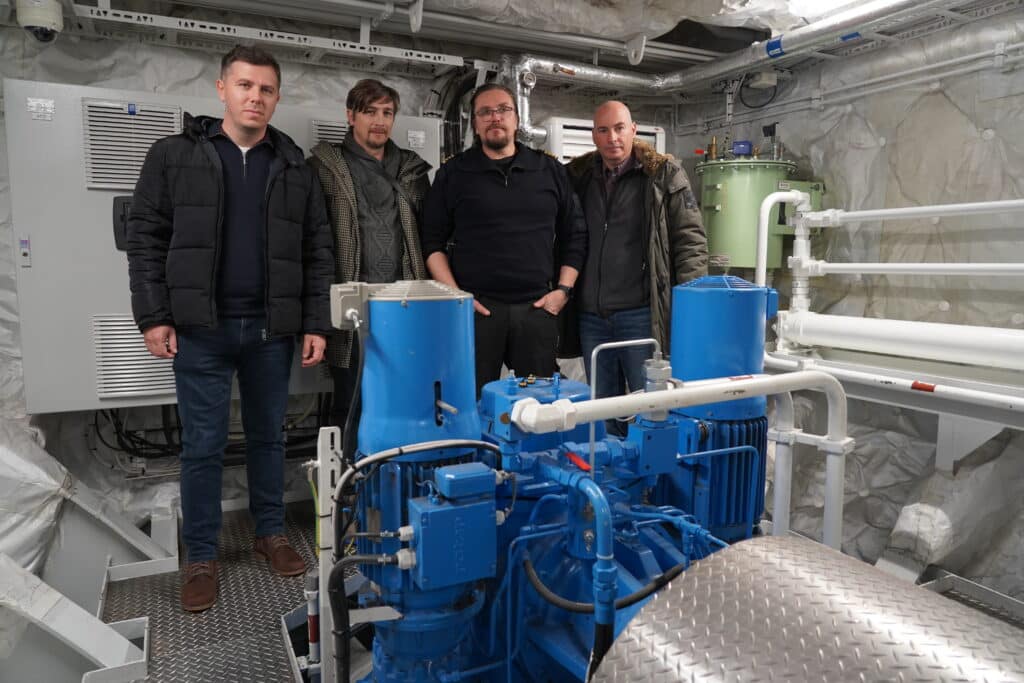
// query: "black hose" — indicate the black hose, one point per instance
point(762, 105)
point(588, 607)
point(341, 632)
point(350, 439)
point(604, 636)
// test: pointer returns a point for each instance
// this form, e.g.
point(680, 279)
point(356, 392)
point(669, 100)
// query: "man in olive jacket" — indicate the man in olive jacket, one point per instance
point(374, 191)
point(646, 236)
point(229, 255)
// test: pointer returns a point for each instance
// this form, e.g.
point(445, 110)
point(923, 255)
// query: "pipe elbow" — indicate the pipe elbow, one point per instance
point(533, 417)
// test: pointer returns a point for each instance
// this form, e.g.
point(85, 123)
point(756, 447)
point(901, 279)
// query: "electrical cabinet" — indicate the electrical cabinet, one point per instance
point(73, 152)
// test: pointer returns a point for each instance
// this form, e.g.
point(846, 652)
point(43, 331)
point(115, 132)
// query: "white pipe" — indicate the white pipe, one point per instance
point(981, 269)
point(836, 217)
point(835, 488)
point(802, 199)
point(989, 346)
point(855, 90)
point(532, 416)
point(782, 484)
point(914, 71)
point(562, 415)
point(967, 70)
point(985, 399)
point(865, 16)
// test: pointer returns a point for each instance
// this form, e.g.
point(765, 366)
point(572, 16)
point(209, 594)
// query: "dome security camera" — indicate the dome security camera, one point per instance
point(43, 19)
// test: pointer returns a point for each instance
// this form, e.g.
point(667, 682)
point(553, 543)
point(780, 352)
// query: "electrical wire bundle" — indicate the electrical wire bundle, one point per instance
point(146, 446)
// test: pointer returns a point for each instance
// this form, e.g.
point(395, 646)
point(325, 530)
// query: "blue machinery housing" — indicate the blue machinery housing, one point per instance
point(508, 559)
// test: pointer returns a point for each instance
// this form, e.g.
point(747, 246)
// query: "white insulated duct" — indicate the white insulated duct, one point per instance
point(970, 345)
point(844, 25)
point(839, 27)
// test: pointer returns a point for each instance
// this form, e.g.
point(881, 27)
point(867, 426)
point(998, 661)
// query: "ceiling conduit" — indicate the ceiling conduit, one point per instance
point(840, 27)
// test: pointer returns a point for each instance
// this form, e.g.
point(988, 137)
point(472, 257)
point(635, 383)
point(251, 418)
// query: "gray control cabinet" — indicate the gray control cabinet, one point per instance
point(71, 151)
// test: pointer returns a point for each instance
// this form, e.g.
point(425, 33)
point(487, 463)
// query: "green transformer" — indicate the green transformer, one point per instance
point(731, 194)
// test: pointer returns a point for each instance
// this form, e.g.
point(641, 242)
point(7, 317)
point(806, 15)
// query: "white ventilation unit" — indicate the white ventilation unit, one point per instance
point(568, 138)
point(329, 131)
point(118, 135)
point(124, 368)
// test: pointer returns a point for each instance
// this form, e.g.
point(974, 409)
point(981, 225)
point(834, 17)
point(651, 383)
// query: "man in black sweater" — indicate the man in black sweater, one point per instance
point(229, 253)
point(519, 239)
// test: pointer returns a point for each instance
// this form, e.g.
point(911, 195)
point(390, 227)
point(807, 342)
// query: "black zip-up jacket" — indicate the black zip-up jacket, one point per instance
point(615, 275)
point(175, 233)
point(512, 233)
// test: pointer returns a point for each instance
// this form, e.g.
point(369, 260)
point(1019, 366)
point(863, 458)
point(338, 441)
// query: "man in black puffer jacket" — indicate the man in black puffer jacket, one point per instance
point(230, 257)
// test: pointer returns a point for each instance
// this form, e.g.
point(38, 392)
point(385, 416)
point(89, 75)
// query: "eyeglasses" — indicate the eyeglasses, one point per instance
point(490, 112)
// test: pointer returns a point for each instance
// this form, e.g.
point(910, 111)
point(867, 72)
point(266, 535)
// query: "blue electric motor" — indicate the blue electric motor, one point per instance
point(718, 328)
point(418, 359)
point(418, 386)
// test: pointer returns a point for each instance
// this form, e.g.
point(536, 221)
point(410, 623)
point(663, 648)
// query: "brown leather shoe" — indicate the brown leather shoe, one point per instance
point(283, 559)
point(199, 586)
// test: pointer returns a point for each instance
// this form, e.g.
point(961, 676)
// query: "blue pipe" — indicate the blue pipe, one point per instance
point(538, 532)
point(605, 572)
point(452, 676)
point(677, 521)
point(509, 568)
point(543, 499)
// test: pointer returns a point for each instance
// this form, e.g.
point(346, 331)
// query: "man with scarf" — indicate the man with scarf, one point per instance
point(374, 190)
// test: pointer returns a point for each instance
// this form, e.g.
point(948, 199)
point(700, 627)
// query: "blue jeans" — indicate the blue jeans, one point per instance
point(618, 370)
point(204, 367)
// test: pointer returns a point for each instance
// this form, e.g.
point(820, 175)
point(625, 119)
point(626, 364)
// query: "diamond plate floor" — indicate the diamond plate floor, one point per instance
point(786, 609)
point(239, 638)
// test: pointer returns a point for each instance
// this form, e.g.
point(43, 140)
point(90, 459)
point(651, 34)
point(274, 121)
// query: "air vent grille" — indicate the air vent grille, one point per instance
point(117, 137)
point(329, 131)
point(124, 367)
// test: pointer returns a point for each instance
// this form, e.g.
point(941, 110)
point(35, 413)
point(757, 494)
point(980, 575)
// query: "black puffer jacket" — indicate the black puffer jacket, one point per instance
point(175, 232)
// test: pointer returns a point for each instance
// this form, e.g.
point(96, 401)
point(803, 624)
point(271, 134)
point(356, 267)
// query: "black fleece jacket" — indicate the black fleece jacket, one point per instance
point(512, 233)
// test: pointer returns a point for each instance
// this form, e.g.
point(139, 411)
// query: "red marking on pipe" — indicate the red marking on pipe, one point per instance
point(314, 628)
point(922, 386)
point(699, 152)
point(578, 461)
point(739, 377)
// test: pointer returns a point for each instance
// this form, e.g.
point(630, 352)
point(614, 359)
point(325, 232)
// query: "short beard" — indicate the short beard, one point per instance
point(496, 144)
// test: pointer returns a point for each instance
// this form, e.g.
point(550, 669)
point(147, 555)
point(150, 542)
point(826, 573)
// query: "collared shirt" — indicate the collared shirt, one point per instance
point(611, 175)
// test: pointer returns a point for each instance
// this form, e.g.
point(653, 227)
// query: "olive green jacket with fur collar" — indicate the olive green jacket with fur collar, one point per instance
point(677, 249)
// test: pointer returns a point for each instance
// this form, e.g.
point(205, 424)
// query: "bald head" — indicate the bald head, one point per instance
point(613, 133)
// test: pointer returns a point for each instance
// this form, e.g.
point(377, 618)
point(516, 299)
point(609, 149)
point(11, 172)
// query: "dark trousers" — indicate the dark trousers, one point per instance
point(521, 337)
point(206, 363)
point(618, 370)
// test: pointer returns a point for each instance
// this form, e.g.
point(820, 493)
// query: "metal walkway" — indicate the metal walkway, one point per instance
point(238, 639)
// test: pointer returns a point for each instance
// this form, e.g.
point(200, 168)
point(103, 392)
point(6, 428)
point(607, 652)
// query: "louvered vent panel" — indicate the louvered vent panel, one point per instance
point(650, 138)
point(117, 137)
point(124, 367)
point(329, 131)
point(577, 140)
